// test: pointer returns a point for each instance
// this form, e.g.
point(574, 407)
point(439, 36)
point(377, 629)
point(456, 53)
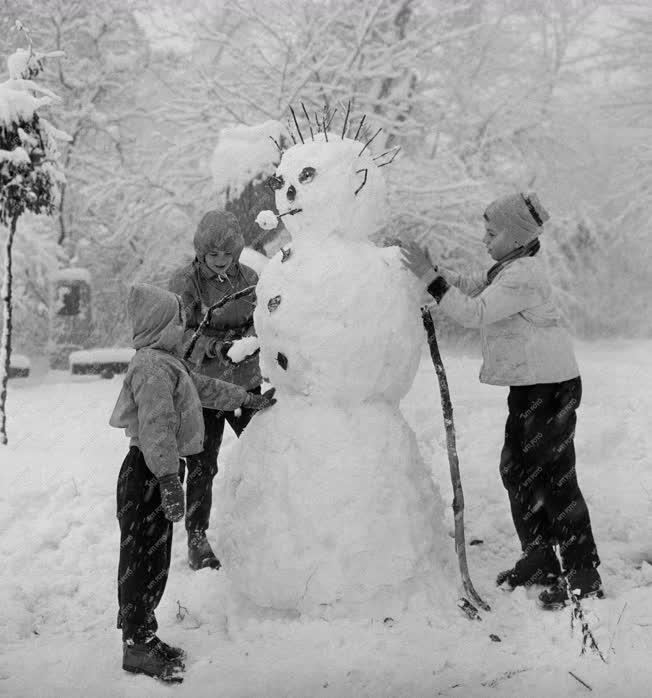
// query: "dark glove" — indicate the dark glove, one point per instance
point(437, 289)
point(260, 402)
point(172, 497)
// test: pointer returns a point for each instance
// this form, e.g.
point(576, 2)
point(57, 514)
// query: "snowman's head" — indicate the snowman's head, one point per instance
point(333, 187)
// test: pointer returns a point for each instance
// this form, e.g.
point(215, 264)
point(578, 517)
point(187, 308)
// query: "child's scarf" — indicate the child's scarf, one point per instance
point(528, 250)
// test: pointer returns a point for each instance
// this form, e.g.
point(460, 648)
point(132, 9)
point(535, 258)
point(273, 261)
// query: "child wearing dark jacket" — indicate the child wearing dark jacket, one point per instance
point(525, 347)
point(160, 408)
point(216, 272)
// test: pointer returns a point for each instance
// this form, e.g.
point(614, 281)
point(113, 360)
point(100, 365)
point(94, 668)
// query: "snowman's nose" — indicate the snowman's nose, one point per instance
point(291, 193)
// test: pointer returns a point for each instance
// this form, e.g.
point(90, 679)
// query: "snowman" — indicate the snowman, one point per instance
point(327, 503)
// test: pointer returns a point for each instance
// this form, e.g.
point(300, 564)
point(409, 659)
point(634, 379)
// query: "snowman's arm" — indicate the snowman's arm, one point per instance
point(218, 395)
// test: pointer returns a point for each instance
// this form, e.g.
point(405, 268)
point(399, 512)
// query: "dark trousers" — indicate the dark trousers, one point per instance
point(538, 470)
point(145, 545)
point(202, 467)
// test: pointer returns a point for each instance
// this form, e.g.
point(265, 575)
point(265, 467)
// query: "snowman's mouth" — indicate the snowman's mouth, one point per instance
point(291, 212)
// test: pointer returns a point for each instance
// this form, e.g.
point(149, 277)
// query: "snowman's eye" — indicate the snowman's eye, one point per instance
point(306, 175)
point(275, 182)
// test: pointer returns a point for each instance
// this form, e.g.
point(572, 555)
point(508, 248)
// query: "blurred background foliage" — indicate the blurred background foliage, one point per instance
point(484, 97)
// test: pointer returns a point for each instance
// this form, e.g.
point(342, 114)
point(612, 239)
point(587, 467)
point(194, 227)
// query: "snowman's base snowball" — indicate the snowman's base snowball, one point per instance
point(326, 511)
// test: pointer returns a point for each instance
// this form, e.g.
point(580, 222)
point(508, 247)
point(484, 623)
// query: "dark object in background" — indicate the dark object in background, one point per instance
point(19, 366)
point(101, 361)
point(254, 198)
point(71, 315)
point(71, 300)
point(15, 372)
point(106, 370)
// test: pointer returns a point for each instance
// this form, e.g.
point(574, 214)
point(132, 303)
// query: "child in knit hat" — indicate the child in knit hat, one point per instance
point(160, 408)
point(525, 347)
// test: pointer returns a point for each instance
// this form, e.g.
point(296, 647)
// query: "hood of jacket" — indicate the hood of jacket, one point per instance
point(218, 231)
point(156, 318)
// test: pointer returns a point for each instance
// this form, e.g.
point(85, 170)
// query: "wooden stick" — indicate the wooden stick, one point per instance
point(369, 141)
point(312, 135)
point(364, 181)
point(391, 160)
point(453, 461)
point(396, 147)
point(577, 678)
point(357, 133)
point(578, 614)
point(291, 132)
point(346, 119)
point(296, 123)
point(330, 119)
point(280, 150)
point(209, 313)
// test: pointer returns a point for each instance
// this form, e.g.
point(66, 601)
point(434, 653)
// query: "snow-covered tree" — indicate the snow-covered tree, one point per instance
point(483, 97)
point(31, 176)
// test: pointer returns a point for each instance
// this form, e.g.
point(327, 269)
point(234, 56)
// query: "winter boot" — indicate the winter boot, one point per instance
point(174, 654)
point(584, 584)
point(200, 553)
point(147, 658)
point(539, 567)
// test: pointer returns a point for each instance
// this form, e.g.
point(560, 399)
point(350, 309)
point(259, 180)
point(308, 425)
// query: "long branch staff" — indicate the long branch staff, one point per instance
point(453, 460)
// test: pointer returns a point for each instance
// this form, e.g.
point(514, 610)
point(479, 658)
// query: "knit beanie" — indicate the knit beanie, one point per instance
point(521, 215)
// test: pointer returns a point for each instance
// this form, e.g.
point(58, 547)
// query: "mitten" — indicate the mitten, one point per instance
point(172, 497)
point(260, 402)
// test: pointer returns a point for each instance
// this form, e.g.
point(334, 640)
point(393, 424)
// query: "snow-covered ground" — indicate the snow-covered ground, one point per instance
point(59, 550)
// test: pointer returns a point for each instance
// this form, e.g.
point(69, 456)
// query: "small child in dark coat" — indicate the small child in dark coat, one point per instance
point(160, 408)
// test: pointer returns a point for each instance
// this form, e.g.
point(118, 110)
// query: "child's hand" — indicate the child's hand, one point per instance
point(172, 497)
point(416, 259)
point(260, 402)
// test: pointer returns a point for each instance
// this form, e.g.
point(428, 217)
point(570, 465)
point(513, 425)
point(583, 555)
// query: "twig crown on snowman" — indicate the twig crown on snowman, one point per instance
point(328, 182)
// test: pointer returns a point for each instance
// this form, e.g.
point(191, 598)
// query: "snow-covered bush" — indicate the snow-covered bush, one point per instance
point(30, 173)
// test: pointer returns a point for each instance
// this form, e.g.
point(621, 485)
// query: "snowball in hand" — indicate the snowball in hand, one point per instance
point(267, 220)
point(242, 348)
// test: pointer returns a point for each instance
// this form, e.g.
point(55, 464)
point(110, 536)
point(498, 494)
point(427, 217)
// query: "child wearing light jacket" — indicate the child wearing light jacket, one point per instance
point(525, 347)
point(160, 408)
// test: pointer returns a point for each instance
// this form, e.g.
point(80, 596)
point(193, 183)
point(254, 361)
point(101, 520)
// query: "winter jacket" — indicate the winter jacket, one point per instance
point(160, 403)
point(199, 288)
point(523, 341)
